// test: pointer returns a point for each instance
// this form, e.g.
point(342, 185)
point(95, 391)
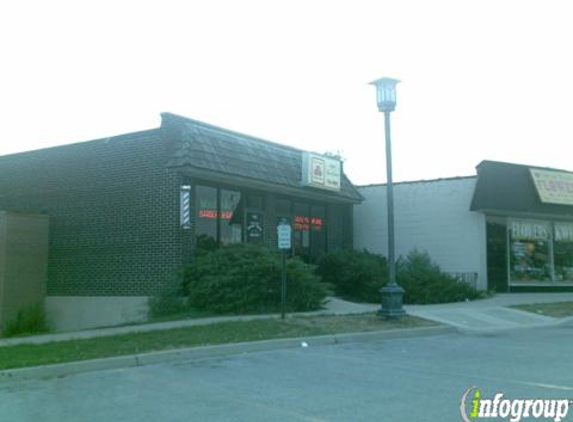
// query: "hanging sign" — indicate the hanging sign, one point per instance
point(553, 187)
point(321, 172)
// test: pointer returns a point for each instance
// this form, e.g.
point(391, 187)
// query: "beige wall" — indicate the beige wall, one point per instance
point(432, 216)
point(23, 262)
point(72, 313)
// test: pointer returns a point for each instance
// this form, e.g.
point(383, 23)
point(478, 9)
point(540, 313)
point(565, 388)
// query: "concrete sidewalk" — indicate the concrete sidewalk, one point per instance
point(490, 313)
point(334, 306)
point(480, 315)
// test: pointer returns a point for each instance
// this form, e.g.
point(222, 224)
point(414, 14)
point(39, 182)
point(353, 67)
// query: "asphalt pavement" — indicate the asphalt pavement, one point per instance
point(415, 379)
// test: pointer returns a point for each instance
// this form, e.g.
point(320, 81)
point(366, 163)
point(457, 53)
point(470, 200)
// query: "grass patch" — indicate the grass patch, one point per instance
point(555, 310)
point(28, 321)
point(220, 333)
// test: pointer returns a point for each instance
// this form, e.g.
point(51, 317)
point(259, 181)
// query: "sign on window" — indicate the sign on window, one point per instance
point(255, 227)
point(529, 230)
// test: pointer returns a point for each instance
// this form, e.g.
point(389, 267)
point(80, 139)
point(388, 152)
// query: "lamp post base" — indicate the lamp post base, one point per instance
point(392, 297)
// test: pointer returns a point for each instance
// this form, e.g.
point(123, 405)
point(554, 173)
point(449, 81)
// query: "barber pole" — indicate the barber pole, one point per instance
point(185, 195)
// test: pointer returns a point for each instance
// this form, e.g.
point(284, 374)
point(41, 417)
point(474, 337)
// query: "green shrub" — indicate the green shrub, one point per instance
point(170, 301)
point(205, 244)
point(356, 275)
point(31, 320)
point(424, 282)
point(244, 278)
point(359, 276)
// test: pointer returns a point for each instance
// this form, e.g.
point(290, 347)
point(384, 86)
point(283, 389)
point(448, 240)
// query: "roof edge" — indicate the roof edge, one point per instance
point(230, 132)
point(485, 162)
point(102, 140)
point(409, 182)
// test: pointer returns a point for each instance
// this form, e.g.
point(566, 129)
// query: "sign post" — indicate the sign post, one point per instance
point(284, 240)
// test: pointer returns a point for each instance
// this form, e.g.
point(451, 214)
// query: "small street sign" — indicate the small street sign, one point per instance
point(284, 235)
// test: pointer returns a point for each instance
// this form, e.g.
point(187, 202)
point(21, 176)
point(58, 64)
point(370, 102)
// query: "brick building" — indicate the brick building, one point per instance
point(115, 234)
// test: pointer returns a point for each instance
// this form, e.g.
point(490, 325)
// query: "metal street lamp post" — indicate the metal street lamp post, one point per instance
point(392, 294)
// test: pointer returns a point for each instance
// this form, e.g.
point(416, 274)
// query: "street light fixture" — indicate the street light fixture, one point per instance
point(392, 294)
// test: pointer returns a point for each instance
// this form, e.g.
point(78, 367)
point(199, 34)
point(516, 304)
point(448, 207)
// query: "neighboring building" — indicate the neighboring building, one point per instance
point(430, 215)
point(529, 213)
point(115, 223)
point(511, 226)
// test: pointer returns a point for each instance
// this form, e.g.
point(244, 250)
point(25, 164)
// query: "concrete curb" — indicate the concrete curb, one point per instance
point(204, 352)
point(489, 331)
point(566, 322)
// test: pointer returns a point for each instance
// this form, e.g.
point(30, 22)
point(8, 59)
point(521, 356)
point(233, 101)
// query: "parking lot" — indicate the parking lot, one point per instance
point(419, 379)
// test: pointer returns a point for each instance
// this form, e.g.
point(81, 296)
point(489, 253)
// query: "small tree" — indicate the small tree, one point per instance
point(425, 282)
point(359, 276)
point(356, 275)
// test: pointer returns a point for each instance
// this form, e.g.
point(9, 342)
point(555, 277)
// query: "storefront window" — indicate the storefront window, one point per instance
point(255, 202)
point(206, 222)
point(309, 230)
point(563, 252)
point(530, 251)
point(318, 231)
point(283, 208)
point(230, 217)
point(301, 229)
point(226, 216)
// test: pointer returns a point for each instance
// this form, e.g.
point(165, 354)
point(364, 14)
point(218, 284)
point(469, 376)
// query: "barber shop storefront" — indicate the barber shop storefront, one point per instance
point(243, 187)
point(529, 220)
point(126, 212)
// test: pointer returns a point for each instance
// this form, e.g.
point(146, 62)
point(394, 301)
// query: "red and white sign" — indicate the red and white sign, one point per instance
point(321, 172)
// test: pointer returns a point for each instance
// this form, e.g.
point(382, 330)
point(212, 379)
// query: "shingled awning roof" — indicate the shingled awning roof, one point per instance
point(239, 158)
point(509, 189)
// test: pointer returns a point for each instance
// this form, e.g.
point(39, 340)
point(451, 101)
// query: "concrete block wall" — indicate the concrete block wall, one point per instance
point(73, 313)
point(431, 216)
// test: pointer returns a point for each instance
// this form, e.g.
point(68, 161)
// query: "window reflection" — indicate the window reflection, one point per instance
point(563, 252)
point(309, 230)
point(230, 217)
point(529, 251)
point(206, 221)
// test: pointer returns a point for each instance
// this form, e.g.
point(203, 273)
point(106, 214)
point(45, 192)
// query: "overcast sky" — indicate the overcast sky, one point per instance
point(480, 79)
